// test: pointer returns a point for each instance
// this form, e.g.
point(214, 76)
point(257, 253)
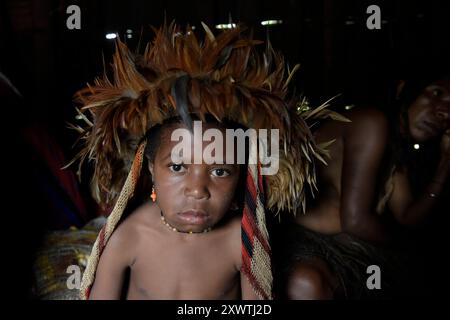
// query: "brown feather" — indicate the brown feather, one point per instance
point(226, 76)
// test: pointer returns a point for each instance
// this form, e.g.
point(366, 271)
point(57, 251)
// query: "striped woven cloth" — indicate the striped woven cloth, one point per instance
point(256, 260)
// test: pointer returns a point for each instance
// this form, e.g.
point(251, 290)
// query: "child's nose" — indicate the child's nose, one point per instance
point(197, 192)
point(197, 188)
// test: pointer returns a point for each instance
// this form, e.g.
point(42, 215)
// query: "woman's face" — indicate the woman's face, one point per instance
point(429, 114)
point(192, 197)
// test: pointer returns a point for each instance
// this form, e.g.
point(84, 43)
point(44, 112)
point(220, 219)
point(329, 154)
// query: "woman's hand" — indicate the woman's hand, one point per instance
point(443, 168)
point(445, 145)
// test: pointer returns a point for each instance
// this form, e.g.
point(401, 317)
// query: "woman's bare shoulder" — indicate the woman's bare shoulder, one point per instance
point(367, 116)
point(367, 124)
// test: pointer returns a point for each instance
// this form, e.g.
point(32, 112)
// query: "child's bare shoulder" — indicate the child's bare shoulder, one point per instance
point(132, 226)
point(232, 236)
point(143, 215)
point(235, 226)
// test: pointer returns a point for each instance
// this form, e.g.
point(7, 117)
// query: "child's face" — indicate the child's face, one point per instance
point(192, 197)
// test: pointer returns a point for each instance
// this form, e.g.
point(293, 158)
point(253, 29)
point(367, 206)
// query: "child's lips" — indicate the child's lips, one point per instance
point(194, 216)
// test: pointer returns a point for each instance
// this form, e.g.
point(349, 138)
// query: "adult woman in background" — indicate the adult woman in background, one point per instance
point(374, 168)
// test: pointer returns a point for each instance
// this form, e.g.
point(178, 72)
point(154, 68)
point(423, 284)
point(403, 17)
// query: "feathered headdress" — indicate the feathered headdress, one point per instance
point(223, 76)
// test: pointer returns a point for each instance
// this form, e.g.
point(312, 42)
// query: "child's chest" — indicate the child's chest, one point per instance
point(185, 271)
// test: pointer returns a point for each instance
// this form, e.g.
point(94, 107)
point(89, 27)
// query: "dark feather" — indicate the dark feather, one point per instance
point(179, 93)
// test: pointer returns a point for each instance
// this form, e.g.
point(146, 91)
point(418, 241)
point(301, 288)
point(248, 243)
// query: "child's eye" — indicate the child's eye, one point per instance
point(176, 167)
point(220, 173)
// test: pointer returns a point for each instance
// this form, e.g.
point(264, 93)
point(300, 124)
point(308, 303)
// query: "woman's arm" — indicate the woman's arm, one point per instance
point(412, 211)
point(365, 141)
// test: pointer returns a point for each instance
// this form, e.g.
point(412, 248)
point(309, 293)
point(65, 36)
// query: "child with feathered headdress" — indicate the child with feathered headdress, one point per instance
point(184, 229)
